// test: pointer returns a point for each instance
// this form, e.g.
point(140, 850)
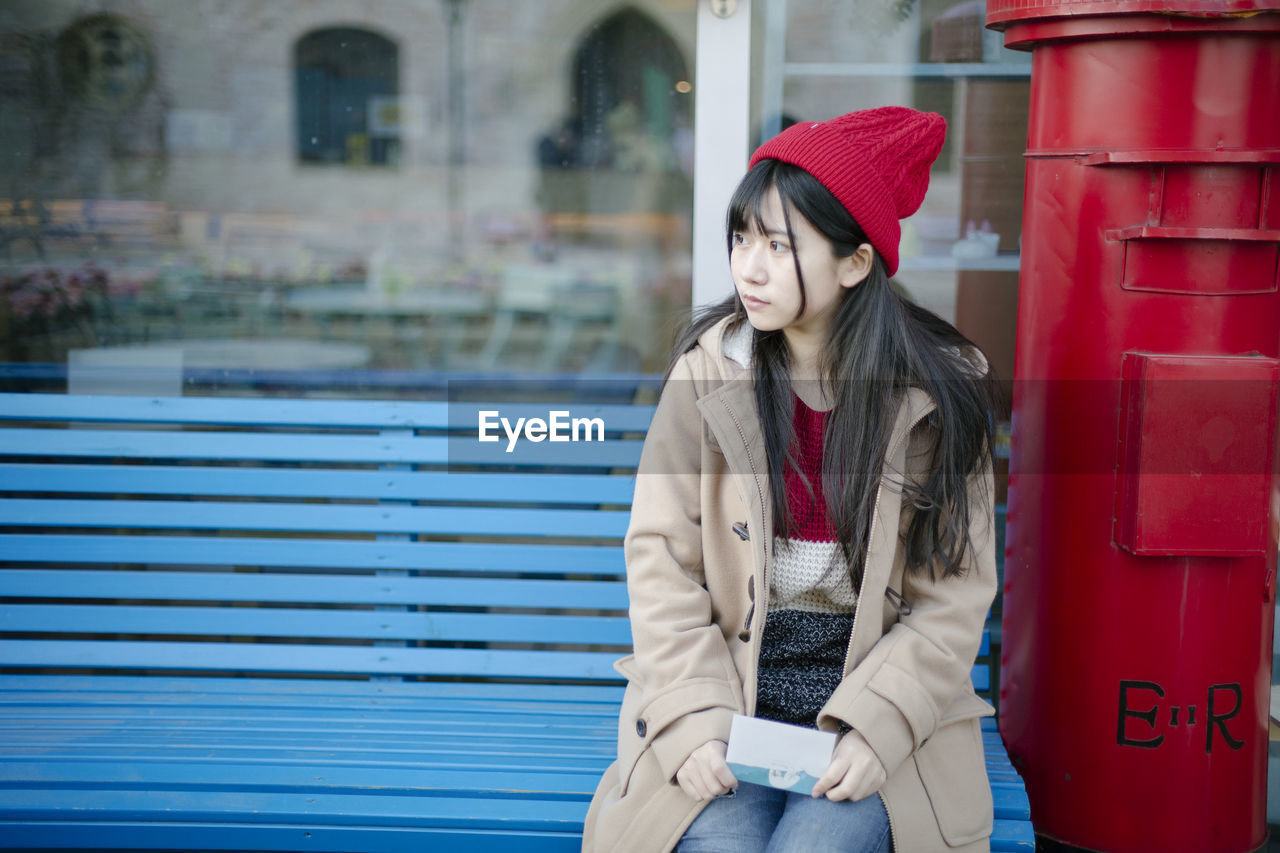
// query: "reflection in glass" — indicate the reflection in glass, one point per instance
point(257, 187)
point(347, 107)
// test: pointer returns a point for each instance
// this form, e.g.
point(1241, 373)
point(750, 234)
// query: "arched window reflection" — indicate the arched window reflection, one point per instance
point(629, 87)
point(347, 106)
point(625, 143)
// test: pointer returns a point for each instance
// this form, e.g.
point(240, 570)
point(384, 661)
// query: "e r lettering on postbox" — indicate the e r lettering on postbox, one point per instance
point(1141, 708)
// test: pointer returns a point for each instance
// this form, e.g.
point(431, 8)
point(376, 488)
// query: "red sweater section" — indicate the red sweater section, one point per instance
point(809, 518)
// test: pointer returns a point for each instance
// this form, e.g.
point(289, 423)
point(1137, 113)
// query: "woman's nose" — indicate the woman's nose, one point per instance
point(750, 264)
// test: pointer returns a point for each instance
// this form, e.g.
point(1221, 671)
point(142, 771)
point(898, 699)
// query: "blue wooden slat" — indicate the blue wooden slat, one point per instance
point(141, 444)
point(311, 751)
point(337, 554)
point(235, 515)
point(319, 779)
point(1013, 836)
point(589, 745)
point(287, 740)
point(155, 688)
point(248, 586)
point(463, 719)
point(257, 411)
point(278, 622)
point(368, 485)
point(611, 385)
point(178, 835)
point(153, 732)
point(267, 807)
point(280, 447)
point(85, 707)
point(87, 408)
point(329, 760)
point(154, 728)
point(273, 657)
point(291, 743)
point(299, 740)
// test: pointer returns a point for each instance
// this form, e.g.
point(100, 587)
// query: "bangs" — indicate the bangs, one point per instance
point(745, 208)
point(748, 199)
point(800, 193)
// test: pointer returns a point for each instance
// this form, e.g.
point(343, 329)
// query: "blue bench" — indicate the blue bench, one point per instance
point(253, 624)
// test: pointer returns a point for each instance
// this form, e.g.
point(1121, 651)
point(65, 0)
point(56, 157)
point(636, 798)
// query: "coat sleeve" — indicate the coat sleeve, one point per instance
point(898, 694)
point(690, 684)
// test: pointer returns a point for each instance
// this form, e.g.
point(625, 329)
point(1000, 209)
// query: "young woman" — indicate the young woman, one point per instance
point(812, 536)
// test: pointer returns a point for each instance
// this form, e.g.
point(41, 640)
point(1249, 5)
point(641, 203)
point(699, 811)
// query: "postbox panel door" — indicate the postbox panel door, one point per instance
point(1196, 454)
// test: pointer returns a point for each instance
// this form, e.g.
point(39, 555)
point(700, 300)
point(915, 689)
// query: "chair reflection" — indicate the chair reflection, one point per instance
point(552, 308)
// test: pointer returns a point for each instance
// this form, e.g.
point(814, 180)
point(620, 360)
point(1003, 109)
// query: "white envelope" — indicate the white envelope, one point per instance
point(777, 755)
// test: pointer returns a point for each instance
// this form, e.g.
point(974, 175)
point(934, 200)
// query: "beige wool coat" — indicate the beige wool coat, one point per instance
point(699, 599)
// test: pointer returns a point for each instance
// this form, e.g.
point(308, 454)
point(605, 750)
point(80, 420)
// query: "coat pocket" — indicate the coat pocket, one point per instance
point(630, 743)
point(647, 714)
point(953, 770)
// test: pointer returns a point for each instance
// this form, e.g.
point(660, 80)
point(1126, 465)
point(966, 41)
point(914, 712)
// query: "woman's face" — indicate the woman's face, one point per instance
point(763, 264)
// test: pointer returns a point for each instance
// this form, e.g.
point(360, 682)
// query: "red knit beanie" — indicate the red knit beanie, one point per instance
point(875, 162)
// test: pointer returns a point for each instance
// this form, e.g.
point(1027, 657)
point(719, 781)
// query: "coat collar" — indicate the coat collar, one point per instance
point(735, 345)
point(733, 348)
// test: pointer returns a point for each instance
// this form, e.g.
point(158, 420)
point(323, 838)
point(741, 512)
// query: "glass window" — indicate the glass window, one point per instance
point(302, 196)
point(815, 59)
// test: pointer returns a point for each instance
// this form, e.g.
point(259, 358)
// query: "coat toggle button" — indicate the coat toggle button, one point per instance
point(641, 728)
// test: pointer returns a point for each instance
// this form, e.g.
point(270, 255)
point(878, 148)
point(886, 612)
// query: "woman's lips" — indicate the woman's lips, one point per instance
point(753, 301)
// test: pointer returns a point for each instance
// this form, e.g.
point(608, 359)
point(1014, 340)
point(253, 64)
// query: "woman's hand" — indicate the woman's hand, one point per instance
point(704, 774)
point(855, 771)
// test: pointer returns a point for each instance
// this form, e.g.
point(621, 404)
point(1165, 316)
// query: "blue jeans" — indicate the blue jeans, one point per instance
point(756, 819)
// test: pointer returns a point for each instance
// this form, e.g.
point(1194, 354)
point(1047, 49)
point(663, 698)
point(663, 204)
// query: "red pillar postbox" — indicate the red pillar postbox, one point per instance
point(1141, 558)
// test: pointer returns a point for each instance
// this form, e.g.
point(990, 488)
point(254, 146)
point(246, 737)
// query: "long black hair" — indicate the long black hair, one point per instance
point(879, 345)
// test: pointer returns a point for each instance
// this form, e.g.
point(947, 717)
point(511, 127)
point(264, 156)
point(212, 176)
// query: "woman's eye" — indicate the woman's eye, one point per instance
point(739, 239)
point(775, 246)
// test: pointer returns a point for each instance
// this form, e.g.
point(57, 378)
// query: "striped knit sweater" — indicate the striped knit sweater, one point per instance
point(811, 597)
